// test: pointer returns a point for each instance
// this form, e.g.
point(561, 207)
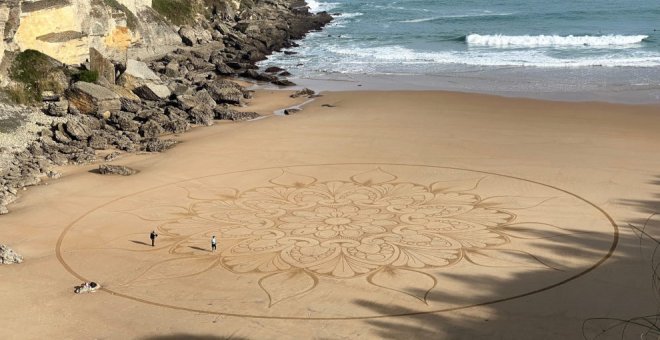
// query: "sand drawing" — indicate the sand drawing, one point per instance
point(392, 230)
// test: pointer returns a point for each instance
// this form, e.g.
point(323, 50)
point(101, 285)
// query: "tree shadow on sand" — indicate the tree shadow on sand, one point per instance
point(616, 300)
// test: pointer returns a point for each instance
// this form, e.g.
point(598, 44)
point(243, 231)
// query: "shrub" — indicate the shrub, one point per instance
point(86, 76)
point(34, 72)
point(18, 94)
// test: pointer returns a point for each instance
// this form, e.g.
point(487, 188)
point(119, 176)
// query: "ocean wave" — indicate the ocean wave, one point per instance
point(528, 58)
point(348, 15)
point(456, 16)
point(319, 6)
point(553, 40)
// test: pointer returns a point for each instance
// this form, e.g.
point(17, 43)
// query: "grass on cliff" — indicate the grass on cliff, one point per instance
point(131, 19)
point(34, 72)
point(86, 76)
point(178, 12)
point(183, 12)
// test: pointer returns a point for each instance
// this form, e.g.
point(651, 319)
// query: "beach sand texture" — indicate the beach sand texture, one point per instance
point(370, 215)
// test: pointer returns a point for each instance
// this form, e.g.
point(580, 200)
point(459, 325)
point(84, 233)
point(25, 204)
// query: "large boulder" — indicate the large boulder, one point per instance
point(137, 74)
point(124, 121)
point(176, 125)
point(306, 92)
point(107, 169)
point(8, 256)
point(188, 35)
point(172, 69)
point(253, 74)
point(151, 91)
point(129, 101)
point(78, 130)
point(62, 137)
point(93, 99)
point(157, 145)
point(57, 109)
point(151, 129)
point(201, 98)
point(98, 142)
point(102, 65)
point(283, 82)
point(225, 91)
point(201, 115)
point(227, 114)
point(193, 36)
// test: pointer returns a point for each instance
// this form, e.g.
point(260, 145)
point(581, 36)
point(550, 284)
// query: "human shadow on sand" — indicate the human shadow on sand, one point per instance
point(199, 248)
point(141, 243)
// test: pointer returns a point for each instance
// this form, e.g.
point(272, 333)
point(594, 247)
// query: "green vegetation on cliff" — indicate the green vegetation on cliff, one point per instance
point(178, 12)
point(34, 72)
point(86, 76)
point(183, 12)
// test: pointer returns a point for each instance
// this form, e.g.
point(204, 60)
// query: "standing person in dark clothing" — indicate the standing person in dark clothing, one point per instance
point(153, 236)
point(214, 243)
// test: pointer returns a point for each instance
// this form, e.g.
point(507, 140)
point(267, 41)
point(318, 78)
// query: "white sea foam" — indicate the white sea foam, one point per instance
point(348, 15)
point(320, 6)
point(456, 16)
point(553, 40)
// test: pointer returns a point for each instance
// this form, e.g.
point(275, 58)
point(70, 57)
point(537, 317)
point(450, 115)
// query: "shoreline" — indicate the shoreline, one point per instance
point(500, 82)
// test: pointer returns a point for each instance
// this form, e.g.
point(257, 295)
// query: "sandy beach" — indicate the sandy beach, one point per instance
point(410, 214)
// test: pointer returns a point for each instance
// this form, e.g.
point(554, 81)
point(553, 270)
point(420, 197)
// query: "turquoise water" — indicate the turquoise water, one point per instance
point(581, 40)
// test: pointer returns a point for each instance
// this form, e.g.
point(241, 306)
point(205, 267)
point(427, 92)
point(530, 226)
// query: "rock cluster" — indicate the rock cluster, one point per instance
point(107, 169)
point(144, 100)
point(8, 256)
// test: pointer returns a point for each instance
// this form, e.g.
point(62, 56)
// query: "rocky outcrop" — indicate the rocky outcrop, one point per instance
point(227, 114)
point(8, 256)
point(183, 87)
point(303, 93)
point(136, 74)
point(103, 66)
point(107, 169)
point(90, 98)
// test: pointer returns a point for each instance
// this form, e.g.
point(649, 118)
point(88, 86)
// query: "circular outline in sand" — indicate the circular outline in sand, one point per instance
point(615, 241)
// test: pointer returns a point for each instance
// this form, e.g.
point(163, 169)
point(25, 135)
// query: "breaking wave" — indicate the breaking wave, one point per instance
point(401, 55)
point(315, 6)
point(553, 40)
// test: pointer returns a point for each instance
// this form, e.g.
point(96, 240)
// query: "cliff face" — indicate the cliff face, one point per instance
point(66, 29)
point(133, 29)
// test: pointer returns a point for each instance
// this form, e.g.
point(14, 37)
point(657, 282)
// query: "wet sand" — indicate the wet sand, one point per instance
point(370, 215)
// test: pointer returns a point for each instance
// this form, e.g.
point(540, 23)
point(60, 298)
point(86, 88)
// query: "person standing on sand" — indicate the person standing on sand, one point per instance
point(153, 236)
point(214, 243)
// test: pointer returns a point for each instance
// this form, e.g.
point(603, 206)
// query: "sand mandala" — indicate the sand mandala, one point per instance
point(339, 241)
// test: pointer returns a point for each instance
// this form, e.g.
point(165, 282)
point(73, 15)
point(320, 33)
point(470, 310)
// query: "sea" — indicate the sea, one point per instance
point(562, 49)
